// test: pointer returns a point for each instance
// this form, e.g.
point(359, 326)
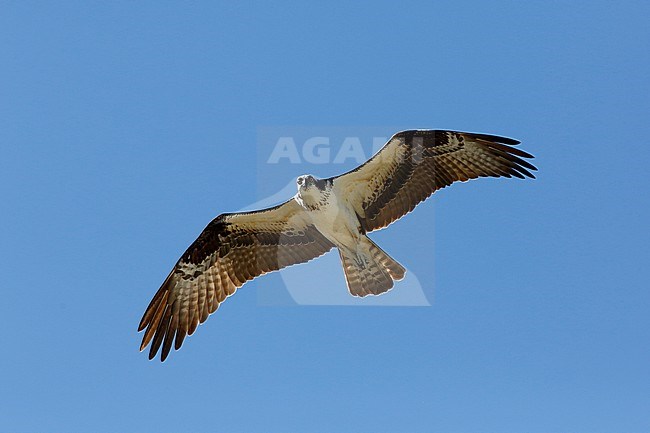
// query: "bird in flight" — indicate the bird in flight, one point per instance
point(337, 212)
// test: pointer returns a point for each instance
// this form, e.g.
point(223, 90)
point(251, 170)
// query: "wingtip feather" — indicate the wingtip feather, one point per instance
point(493, 138)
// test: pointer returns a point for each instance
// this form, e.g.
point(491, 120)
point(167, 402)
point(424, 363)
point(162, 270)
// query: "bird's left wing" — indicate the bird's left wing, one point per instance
point(416, 163)
point(231, 250)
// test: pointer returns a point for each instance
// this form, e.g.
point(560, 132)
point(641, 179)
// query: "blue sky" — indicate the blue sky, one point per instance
point(126, 127)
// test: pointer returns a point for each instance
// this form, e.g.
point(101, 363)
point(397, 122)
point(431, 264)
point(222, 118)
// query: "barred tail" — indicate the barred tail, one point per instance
point(369, 270)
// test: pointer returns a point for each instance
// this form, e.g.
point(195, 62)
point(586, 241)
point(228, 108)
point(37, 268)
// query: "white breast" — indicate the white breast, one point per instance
point(337, 221)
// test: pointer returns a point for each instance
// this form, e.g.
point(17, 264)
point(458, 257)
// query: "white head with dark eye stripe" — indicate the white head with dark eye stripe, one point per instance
point(305, 182)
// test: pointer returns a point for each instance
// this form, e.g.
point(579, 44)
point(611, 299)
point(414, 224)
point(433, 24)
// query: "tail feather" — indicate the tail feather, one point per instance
point(395, 270)
point(369, 270)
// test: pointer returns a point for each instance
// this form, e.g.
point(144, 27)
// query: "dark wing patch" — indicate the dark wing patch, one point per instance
point(414, 164)
point(233, 249)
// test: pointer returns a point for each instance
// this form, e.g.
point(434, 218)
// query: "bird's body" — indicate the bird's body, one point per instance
point(336, 212)
point(368, 269)
point(334, 218)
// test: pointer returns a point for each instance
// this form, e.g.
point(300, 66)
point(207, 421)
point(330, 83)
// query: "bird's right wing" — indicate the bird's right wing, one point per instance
point(231, 250)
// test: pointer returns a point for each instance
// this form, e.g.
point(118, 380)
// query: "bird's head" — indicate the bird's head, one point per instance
point(312, 185)
point(305, 182)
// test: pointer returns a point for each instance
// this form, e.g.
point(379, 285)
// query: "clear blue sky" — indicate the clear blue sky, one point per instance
point(125, 127)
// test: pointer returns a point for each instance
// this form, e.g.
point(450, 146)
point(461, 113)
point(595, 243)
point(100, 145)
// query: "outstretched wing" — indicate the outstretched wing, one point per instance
point(233, 249)
point(414, 164)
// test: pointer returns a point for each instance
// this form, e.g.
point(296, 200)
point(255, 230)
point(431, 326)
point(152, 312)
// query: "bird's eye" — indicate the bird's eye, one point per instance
point(300, 181)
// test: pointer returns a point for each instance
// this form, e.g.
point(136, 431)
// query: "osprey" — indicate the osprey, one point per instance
point(337, 212)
